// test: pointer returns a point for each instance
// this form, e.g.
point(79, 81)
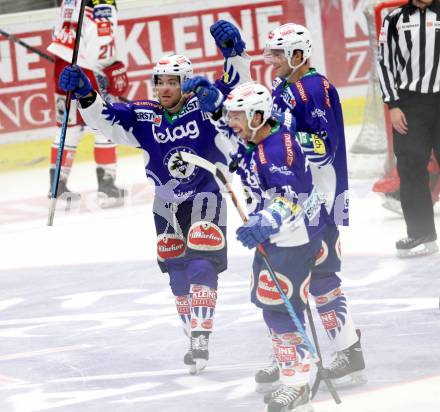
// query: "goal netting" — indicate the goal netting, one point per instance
point(369, 154)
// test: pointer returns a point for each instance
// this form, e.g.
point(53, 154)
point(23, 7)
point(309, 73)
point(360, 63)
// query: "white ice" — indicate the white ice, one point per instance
point(87, 322)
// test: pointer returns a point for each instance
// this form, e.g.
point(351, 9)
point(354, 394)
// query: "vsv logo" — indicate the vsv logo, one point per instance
point(190, 130)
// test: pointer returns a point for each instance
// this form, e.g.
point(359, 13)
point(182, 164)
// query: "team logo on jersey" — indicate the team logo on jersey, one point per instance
point(189, 129)
point(177, 168)
point(144, 115)
point(267, 292)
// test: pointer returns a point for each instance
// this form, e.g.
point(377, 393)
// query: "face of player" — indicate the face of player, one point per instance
point(422, 4)
point(238, 122)
point(278, 61)
point(168, 90)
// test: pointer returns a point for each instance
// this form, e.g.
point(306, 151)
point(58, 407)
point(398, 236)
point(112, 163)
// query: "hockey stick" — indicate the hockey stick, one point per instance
point(44, 55)
point(213, 169)
point(27, 46)
point(322, 373)
point(56, 177)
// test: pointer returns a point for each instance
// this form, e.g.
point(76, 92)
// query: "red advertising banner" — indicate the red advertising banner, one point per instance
point(339, 34)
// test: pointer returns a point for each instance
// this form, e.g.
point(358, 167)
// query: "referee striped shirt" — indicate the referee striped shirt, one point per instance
point(409, 51)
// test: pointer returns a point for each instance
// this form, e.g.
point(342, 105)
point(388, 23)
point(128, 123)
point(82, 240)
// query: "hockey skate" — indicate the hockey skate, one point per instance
point(108, 194)
point(289, 398)
point(410, 247)
point(199, 352)
point(392, 202)
point(268, 379)
point(63, 192)
point(347, 367)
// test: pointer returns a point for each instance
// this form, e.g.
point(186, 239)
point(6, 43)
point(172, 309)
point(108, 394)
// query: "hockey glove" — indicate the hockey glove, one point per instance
point(286, 119)
point(209, 96)
point(117, 78)
point(259, 228)
point(227, 38)
point(315, 148)
point(72, 78)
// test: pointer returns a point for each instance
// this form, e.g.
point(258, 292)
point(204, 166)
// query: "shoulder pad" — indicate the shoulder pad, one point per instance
point(276, 82)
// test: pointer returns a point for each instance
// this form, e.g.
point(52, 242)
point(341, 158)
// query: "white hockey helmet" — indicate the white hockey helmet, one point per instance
point(250, 98)
point(173, 65)
point(290, 37)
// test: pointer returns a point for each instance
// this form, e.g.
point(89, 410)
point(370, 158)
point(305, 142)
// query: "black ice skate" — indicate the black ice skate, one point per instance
point(199, 351)
point(346, 370)
point(411, 247)
point(268, 379)
point(109, 195)
point(289, 398)
point(63, 192)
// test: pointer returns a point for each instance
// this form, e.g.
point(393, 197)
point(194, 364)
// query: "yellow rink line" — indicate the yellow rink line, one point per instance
point(33, 154)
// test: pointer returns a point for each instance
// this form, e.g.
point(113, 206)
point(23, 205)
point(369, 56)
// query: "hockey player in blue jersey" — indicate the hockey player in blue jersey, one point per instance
point(189, 213)
point(314, 103)
point(289, 223)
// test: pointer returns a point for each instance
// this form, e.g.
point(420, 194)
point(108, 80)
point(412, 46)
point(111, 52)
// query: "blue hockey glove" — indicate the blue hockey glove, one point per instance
point(315, 148)
point(259, 228)
point(227, 38)
point(286, 119)
point(209, 96)
point(74, 79)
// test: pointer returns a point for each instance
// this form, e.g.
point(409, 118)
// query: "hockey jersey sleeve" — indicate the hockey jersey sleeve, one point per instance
point(114, 120)
point(236, 70)
point(318, 113)
point(386, 64)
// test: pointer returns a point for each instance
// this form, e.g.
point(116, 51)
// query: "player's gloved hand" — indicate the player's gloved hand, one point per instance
point(74, 79)
point(315, 147)
point(286, 119)
point(227, 38)
point(117, 78)
point(209, 96)
point(259, 228)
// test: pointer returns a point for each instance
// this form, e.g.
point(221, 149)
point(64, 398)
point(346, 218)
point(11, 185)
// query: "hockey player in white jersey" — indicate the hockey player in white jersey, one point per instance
point(99, 59)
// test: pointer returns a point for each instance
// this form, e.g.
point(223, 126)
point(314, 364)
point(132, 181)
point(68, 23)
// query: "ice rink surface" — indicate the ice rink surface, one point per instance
point(88, 324)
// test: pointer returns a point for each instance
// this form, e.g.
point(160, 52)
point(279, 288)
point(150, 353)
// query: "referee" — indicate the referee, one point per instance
point(409, 74)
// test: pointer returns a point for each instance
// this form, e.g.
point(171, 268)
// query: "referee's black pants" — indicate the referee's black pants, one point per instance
point(413, 151)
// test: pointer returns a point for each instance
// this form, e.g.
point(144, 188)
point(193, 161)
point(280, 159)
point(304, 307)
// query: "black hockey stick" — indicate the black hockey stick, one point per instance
point(42, 54)
point(322, 373)
point(33, 49)
point(213, 169)
point(56, 178)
